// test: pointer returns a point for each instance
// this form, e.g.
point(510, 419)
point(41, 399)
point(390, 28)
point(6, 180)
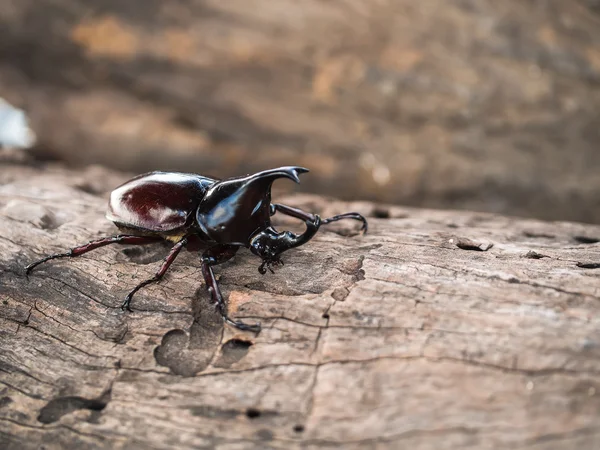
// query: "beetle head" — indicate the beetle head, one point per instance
point(234, 210)
point(269, 244)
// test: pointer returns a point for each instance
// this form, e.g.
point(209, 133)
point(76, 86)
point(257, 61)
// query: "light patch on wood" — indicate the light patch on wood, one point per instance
point(343, 71)
point(106, 36)
point(180, 45)
point(236, 298)
point(547, 35)
point(593, 56)
point(399, 59)
point(130, 122)
point(245, 48)
point(242, 50)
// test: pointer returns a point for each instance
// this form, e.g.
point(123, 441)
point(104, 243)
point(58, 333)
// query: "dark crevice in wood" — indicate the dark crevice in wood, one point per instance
point(588, 265)
point(586, 239)
point(58, 407)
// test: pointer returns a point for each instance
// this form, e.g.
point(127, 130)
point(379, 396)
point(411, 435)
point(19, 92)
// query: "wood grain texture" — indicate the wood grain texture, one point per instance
point(396, 339)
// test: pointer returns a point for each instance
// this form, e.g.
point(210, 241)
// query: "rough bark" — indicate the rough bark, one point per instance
point(481, 104)
point(421, 334)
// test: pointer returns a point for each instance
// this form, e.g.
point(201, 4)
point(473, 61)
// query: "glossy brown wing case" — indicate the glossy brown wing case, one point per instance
point(158, 201)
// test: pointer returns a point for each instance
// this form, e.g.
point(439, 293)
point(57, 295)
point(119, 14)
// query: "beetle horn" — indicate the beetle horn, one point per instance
point(290, 172)
point(259, 184)
point(248, 197)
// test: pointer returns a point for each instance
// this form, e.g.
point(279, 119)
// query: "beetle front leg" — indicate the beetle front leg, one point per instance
point(158, 275)
point(308, 217)
point(80, 250)
point(212, 257)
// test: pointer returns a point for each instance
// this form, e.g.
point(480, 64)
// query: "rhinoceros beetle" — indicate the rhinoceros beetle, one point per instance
point(194, 211)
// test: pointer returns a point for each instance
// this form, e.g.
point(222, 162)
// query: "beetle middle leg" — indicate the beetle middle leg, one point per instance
point(80, 250)
point(158, 275)
point(211, 257)
point(308, 217)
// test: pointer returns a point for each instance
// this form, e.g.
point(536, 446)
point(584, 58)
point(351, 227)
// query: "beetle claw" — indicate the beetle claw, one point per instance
point(261, 268)
point(255, 328)
point(125, 305)
point(269, 264)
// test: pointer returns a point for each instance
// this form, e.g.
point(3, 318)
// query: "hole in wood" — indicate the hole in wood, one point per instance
point(535, 255)
point(381, 213)
point(232, 351)
point(58, 407)
point(253, 413)
point(588, 265)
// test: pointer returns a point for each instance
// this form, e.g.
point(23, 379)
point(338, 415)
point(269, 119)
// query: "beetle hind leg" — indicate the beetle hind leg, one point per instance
point(158, 275)
point(80, 250)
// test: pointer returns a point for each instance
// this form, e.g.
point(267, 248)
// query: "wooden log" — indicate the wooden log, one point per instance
point(436, 330)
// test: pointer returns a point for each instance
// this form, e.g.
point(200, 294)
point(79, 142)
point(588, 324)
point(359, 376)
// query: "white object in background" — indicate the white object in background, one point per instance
point(14, 130)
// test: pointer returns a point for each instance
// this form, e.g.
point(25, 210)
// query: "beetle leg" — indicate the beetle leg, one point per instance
point(212, 257)
point(307, 217)
point(76, 251)
point(269, 263)
point(351, 215)
point(158, 275)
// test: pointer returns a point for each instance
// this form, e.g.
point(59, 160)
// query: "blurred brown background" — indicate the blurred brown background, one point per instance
point(480, 104)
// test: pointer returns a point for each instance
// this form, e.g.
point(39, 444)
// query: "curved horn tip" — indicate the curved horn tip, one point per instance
point(297, 171)
point(290, 172)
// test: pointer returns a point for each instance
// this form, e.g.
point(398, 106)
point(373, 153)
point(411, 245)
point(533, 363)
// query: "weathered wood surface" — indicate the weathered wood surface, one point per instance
point(480, 104)
point(396, 339)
